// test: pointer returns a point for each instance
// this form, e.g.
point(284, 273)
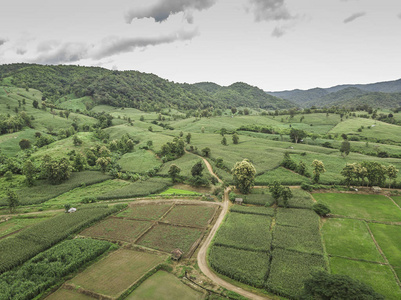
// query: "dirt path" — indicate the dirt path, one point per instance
point(202, 254)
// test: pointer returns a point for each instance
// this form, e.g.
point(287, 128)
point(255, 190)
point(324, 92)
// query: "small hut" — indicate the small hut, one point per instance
point(376, 189)
point(72, 210)
point(239, 201)
point(176, 254)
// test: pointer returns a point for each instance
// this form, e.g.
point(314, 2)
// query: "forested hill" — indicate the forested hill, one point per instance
point(144, 91)
point(382, 94)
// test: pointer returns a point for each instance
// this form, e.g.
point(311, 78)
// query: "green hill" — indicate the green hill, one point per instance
point(143, 91)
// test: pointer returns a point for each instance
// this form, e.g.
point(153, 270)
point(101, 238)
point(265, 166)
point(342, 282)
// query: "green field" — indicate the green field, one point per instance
point(377, 276)
point(367, 207)
point(389, 239)
point(146, 211)
point(173, 191)
point(190, 215)
point(20, 222)
point(350, 238)
point(139, 161)
point(164, 286)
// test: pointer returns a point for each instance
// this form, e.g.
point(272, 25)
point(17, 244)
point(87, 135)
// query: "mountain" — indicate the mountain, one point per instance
point(380, 94)
point(144, 91)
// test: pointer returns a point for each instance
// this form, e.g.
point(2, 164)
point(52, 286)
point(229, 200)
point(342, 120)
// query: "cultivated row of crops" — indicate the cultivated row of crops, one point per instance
point(45, 269)
point(33, 240)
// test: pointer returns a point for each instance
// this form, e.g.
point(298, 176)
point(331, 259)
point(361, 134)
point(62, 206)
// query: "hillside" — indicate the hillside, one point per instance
point(380, 95)
point(134, 89)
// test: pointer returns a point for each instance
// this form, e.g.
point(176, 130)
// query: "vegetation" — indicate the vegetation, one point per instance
point(244, 175)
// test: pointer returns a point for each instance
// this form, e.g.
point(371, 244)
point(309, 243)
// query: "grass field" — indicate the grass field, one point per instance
point(115, 229)
point(164, 286)
point(258, 197)
point(367, 207)
point(282, 175)
point(146, 211)
point(389, 239)
point(167, 238)
point(139, 161)
point(185, 163)
point(397, 199)
point(117, 272)
point(190, 215)
point(65, 294)
point(377, 276)
point(350, 238)
point(173, 191)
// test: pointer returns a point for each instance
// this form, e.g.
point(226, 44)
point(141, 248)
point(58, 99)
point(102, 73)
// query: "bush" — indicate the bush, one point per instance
point(306, 187)
point(321, 209)
point(323, 285)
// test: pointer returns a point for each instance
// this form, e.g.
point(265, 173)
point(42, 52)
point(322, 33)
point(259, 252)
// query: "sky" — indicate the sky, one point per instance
point(273, 44)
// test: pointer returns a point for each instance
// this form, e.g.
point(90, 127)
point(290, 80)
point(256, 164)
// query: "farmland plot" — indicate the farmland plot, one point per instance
point(389, 240)
point(146, 211)
point(190, 215)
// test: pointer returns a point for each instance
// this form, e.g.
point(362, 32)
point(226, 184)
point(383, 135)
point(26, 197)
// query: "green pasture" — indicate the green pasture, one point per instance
point(139, 161)
point(377, 276)
point(185, 163)
point(389, 239)
point(397, 199)
point(74, 103)
point(350, 238)
point(367, 207)
point(133, 113)
point(172, 191)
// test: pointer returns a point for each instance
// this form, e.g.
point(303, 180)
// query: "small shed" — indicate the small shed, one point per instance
point(72, 209)
point(376, 189)
point(239, 201)
point(176, 254)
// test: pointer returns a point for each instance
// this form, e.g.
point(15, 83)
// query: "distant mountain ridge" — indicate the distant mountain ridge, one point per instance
point(144, 91)
point(381, 94)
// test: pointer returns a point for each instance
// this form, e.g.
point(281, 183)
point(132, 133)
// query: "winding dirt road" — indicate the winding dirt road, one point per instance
point(202, 254)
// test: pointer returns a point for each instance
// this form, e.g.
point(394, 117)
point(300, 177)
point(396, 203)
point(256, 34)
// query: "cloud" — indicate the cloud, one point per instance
point(354, 16)
point(21, 51)
point(73, 52)
point(163, 9)
point(278, 32)
point(114, 46)
point(3, 41)
point(399, 15)
point(270, 10)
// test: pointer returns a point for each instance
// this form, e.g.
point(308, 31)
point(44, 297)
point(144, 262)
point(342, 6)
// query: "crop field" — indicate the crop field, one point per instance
point(245, 231)
point(306, 240)
point(18, 223)
point(289, 269)
point(153, 211)
point(164, 286)
point(259, 197)
point(115, 273)
point(397, 199)
point(256, 210)
point(48, 267)
point(389, 239)
point(377, 276)
point(174, 191)
point(244, 266)
point(282, 175)
point(43, 191)
point(115, 229)
point(67, 295)
point(139, 161)
point(9, 142)
point(303, 218)
point(138, 188)
point(190, 215)
point(167, 238)
point(300, 199)
point(78, 194)
point(31, 241)
point(349, 238)
point(367, 207)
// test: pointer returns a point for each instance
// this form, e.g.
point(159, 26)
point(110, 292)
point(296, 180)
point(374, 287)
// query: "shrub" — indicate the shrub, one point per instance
point(306, 187)
point(321, 209)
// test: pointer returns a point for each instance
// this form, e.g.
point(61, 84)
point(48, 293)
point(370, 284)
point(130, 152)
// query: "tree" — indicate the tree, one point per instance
point(233, 110)
point(188, 138)
point(246, 111)
point(29, 172)
point(321, 209)
point(79, 162)
point(318, 169)
point(286, 194)
point(197, 169)
point(375, 172)
point(244, 175)
point(224, 141)
point(275, 189)
point(12, 200)
point(103, 163)
point(56, 171)
point(301, 169)
point(391, 173)
point(322, 285)
point(297, 134)
point(235, 138)
point(24, 144)
point(206, 152)
point(76, 140)
point(150, 128)
point(35, 104)
point(174, 171)
point(349, 172)
point(345, 148)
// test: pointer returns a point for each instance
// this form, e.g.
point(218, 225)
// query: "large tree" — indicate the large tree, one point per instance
point(244, 175)
point(12, 200)
point(297, 134)
point(56, 171)
point(29, 171)
point(318, 169)
point(174, 171)
point(345, 148)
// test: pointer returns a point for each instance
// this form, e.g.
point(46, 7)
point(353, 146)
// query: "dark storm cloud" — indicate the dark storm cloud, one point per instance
point(354, 16)
point(21, 51)
point(270, 10)
point(121, 45)
point(163, 9)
